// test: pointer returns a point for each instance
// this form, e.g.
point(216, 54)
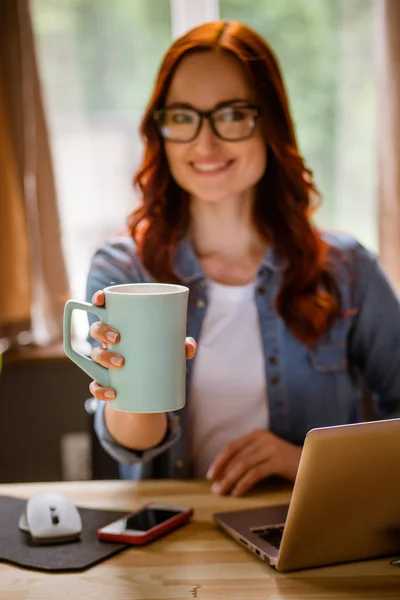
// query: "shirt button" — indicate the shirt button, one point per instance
point(261, 291)
point(272, 360)
point(275, 380)
point(179, 464)
point(262, 271)
point(200, 304)
point(203, 283)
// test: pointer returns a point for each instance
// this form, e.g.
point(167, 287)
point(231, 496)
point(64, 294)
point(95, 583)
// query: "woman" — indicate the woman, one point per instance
point(290, 321)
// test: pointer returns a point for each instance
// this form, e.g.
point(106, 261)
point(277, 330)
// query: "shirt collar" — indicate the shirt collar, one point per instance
point(186, 265)
point(274, 261)
point(187, 268)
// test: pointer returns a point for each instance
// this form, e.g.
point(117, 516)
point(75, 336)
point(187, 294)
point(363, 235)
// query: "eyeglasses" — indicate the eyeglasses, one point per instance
point(230, 123)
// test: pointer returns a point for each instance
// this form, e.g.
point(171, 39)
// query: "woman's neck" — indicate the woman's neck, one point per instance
point(224, 228)
point(225, 239)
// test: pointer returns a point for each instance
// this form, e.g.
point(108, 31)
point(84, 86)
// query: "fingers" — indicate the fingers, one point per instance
point(238, 470)
point(252, 477)
point(107, 335)
point(104, 334)
point(101, 393)
point(245, 458)
point(100, 332)
point(108, 359)
point(230, 450)
point(255, 447)
point(264, 455)
point(191, 348)
point(99, 298)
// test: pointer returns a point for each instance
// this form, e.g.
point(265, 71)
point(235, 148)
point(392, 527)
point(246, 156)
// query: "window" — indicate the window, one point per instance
point(97, 63)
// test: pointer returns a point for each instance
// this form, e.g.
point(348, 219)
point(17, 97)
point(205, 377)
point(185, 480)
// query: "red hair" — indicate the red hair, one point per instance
point(308, 299)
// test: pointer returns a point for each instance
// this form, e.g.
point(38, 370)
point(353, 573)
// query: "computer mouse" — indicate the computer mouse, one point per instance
point(51, 519)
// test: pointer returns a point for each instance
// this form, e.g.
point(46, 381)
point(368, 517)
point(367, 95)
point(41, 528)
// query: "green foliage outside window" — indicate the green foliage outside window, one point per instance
point(325, 48)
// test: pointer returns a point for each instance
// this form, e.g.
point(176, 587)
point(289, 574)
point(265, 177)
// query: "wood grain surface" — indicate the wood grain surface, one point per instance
point(196, 561)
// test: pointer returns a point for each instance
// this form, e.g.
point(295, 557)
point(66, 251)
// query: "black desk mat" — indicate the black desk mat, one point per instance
point(17, 547)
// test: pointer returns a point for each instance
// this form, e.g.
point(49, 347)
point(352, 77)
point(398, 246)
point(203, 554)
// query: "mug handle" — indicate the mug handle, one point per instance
point(94, 370)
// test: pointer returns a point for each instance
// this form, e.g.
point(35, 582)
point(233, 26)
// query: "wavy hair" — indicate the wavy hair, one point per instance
point(308, 298)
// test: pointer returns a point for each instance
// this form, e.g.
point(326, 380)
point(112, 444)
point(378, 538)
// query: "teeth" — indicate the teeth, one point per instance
point(213, 167)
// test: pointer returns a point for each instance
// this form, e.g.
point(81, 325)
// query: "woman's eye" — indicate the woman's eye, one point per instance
point(232, 114)
point(181, 118)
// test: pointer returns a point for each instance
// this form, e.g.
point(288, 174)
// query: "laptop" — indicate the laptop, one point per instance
point(345, 504)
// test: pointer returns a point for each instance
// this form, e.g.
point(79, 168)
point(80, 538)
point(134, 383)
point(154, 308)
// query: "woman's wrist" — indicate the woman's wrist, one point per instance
point(136, 431)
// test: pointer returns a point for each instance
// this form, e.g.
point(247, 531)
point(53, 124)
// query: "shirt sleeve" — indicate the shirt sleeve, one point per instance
point(375, 340)
point(126, 456)
point(115, 263)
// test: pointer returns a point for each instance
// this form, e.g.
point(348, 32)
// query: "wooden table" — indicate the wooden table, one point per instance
point(197, 561)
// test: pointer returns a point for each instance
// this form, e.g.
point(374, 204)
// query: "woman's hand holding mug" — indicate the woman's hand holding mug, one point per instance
point(144, 362)
point(141, 363)
point(107, 335)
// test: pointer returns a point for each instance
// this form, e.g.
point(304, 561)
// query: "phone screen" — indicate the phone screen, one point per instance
point(148, 518)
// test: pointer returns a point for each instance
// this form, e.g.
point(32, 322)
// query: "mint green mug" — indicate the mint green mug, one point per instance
point(151, 320)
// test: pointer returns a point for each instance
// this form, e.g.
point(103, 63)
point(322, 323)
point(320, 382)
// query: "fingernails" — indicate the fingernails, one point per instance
point(209, 474)
point(216, 488)
point(112, 336)
point(109, 394)
point(116, 360)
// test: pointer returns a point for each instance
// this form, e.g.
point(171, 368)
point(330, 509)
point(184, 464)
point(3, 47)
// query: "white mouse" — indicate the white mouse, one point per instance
point(51, 518)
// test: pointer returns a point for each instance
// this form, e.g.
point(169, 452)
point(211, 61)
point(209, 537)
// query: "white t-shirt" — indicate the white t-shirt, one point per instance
point(228, 394)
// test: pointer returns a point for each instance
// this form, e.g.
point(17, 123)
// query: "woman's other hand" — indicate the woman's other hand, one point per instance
point(250, 459)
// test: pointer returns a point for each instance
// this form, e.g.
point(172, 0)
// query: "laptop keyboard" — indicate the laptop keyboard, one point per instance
point(272, 535)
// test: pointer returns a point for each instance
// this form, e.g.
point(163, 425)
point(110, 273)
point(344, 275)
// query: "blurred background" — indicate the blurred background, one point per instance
point(98, 61)
point(75, 77)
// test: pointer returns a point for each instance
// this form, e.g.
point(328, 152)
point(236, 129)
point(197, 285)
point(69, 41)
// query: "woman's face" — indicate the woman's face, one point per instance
point(209, 168)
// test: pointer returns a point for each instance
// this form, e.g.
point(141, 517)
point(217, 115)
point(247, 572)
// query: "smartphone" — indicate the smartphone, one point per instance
point(144, 525)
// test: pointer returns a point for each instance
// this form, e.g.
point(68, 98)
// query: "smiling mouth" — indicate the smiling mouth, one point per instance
point(211, 168)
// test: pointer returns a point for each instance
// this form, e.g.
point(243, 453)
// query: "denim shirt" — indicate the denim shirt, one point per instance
point(308, 385)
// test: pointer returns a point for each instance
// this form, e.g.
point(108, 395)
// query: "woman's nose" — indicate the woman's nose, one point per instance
point(206, 140)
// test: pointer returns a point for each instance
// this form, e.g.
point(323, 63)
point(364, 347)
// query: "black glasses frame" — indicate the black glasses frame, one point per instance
point(209, 116)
